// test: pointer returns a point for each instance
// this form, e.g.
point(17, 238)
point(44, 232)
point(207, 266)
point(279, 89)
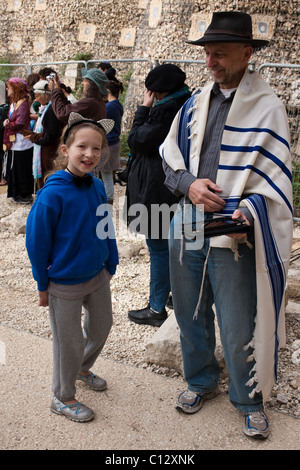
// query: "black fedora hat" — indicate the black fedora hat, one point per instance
point(230, 26)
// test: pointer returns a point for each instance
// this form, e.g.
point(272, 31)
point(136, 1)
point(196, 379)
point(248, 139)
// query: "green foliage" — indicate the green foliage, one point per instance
point(296, 188)
point(5, 71)
point(82, 56)
point(124, 137)
point(125, 80)
point(124, 145)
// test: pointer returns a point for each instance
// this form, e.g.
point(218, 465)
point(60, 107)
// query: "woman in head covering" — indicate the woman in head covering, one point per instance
point(18, 150)
point(165, 93)
point(46, 135)
point(92, 106)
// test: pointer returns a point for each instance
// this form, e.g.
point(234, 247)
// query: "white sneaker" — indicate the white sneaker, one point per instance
point(256, 425)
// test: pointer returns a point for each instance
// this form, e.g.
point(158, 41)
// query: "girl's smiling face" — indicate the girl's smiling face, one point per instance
point(84, 152)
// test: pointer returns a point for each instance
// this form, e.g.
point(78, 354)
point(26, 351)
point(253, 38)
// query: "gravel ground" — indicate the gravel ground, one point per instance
point(126, 343)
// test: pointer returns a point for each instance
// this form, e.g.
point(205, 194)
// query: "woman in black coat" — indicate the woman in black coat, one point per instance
point(165, 94)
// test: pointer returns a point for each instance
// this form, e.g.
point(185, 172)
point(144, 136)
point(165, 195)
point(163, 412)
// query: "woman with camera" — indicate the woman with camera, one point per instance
point(46, 135)
point(92, 106)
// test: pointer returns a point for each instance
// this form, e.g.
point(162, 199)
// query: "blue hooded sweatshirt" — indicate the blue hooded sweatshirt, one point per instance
point(63, 242)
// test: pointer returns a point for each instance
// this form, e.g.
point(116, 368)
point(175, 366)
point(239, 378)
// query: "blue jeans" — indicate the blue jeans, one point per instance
point(231, 286)
point(159, 273)
point(108, 181)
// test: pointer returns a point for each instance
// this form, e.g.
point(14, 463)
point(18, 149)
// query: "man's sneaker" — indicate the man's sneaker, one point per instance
point(147, 316)
point(190, 402)
point(93, 381)
point(256, 425)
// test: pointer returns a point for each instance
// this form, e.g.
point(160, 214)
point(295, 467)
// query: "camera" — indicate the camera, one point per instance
point(51, 76)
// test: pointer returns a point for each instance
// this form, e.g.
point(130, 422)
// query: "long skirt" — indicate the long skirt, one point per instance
point(111, 162)
point(19, 173)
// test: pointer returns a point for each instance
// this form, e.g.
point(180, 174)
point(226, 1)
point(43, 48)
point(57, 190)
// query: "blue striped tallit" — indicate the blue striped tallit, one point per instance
point(274, 263)
point(254, 171)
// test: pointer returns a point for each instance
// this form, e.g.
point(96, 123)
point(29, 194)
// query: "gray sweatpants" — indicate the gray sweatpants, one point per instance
point(76, 346)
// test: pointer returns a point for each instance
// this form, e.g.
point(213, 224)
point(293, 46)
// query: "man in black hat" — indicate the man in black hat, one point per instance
point(227, 153)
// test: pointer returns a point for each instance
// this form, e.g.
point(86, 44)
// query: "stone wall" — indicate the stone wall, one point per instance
point(44, 30)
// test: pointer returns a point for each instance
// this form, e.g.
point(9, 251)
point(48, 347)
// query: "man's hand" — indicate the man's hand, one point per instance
point(238, 214)
point(202, 191)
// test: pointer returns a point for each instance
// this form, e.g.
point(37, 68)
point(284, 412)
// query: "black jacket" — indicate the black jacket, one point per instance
point(146, 177)
point(52, 129)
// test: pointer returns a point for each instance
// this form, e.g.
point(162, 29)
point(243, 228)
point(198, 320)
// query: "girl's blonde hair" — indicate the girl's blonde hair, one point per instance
point(60, 162)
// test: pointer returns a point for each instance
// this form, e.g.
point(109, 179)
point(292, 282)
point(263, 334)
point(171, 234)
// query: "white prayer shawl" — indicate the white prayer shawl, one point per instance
point(254, 171)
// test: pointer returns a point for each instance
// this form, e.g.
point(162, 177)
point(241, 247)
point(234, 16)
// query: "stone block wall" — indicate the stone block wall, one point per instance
point(42, 31)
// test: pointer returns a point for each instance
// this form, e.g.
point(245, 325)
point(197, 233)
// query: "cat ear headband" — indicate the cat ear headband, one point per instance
point(76, 119)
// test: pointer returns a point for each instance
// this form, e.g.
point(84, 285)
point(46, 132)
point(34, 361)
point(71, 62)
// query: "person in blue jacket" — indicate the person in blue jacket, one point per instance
point(114, 111)
point(71, 245)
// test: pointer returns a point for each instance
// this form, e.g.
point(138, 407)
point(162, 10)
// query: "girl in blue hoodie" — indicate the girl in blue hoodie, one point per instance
point(73, 259)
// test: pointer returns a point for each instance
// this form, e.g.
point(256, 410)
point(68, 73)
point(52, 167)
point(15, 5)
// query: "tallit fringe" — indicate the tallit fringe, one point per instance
point(253, 379)
point(195, 316)
point(182, 235)
point(251, 382)
point(191, 123)
point(249, 245)
point(254, 391)
point(191, 109)
point(181, 249)
point(192, 135)
point(249, 345)
point(235, 248)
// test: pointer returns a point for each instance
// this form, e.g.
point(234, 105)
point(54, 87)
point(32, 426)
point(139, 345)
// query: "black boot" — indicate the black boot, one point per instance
point(147, 316)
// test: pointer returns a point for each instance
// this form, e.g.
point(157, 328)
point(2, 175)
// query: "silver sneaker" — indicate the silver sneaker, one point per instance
point(93, 381)
point(190, 402)
point(256, 425)
point(77, 412)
